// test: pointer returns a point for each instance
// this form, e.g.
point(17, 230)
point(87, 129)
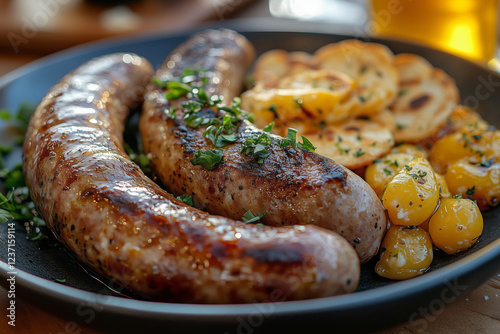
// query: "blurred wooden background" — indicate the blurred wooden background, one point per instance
point(30, 29)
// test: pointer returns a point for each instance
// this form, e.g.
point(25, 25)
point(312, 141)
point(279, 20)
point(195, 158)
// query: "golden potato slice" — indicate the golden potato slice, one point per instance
point(310, 97)
point(426, 98)
point(370, 65)
point(274, 65)
point(356, 142)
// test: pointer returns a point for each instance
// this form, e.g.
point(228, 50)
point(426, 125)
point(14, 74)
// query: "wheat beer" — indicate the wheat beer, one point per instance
point(467, 28)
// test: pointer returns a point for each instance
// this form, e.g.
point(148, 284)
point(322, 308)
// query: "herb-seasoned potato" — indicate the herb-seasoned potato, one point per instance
point(406, 252)
point(426, 98)
point(356, 142)
point(310, 97)
point(370, 65)
point(382, 170)
point(412, 195)
point(477, 181)
point(476, 145)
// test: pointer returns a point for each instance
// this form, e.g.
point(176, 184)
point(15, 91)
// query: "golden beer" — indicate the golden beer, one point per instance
point(467, 28)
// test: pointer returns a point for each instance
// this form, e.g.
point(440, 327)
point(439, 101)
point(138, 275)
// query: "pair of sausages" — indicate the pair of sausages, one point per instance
point(103, 208)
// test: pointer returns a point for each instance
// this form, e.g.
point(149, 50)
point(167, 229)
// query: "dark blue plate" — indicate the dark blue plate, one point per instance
point(378, 303)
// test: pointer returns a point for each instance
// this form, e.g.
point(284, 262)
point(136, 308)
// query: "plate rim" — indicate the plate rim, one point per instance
point(210, 312)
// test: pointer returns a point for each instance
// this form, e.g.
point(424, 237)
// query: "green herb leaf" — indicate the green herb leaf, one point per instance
point(359, 153)
point(290, 140)
point(186, 199)
point(269, 127)
point(249, 217)
point(256, 146)
point(306, 145)
point(5, 114)
point(5, 216)
point(207, 159)
point(24, 114)
point(470, 191)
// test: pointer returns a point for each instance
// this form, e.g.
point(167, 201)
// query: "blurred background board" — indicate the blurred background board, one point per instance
point(33, 28)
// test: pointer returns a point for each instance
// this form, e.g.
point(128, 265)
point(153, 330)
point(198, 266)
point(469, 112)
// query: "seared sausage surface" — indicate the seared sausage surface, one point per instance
point(290, 186)
point(103, 208)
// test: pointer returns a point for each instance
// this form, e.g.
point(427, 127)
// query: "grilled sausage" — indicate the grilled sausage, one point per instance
point(290, 186)
point(102, 207)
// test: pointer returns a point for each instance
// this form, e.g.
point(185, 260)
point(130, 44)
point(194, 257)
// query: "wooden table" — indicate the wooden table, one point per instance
point(477, 312)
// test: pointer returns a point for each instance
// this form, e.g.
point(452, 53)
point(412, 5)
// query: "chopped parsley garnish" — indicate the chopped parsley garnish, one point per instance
point(470, 191)
point(291, 140)
point(139, 158)
point(268, 127)
point(342, 150)
point(387, 172)
point(488, 163)
point(256, 146)
point(186, 199)
point(207, 159)
point(16, 203)
point(359, 153)
point(249, 217)
point(419, 176)
point(306, 145)
point(216, 134)
point(299, 102)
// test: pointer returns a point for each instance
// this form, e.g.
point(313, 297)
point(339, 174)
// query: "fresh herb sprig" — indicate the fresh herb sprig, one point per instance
point(291, 140)
point(208, 159)
point(249, 217)
point(256, 145)
point(15, 200)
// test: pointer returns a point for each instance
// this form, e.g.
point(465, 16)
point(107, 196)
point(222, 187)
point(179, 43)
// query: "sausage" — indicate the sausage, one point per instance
point(290, 186)
point(102, 207)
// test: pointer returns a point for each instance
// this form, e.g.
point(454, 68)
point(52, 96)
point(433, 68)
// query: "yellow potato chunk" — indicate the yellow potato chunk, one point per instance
point(415, 150)
point(406, 252)
point(382, 170)
point(444, 191)
point(456, 225)
point(412, 195)
point(478, 181)
point(477, 145)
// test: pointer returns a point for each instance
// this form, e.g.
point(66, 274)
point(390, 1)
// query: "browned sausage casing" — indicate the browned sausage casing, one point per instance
point(291, 186)
point(102, 207)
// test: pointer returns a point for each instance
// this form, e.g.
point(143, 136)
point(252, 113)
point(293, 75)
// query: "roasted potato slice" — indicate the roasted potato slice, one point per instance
point(356, 142)
point(274, 65)
point(370, 65)
point(310, 97)
point(426, 99)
